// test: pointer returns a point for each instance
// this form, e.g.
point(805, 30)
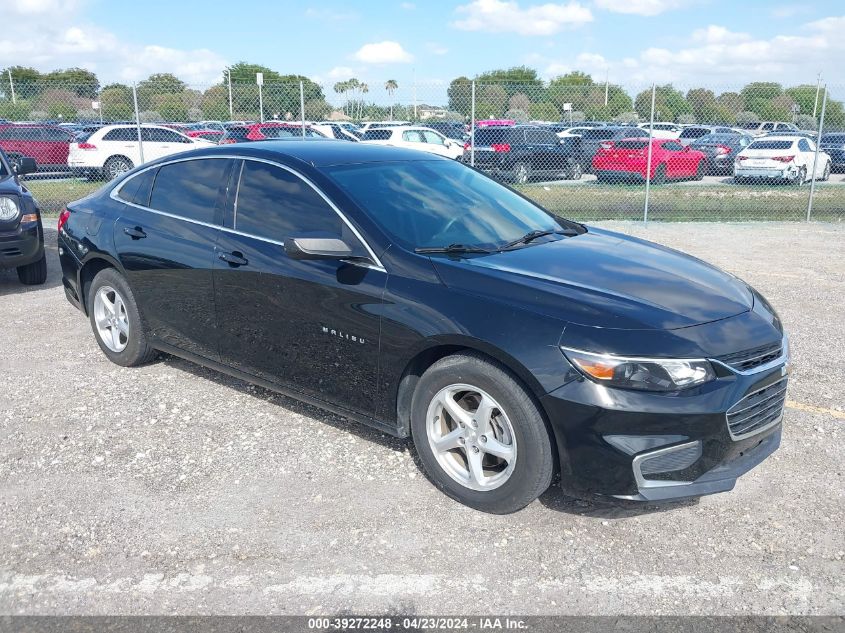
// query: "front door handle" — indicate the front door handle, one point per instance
point(135, 232)
point(234, 259)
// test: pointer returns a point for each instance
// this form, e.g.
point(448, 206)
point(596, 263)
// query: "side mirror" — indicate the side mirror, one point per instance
point(317, 248)
point(25, 165)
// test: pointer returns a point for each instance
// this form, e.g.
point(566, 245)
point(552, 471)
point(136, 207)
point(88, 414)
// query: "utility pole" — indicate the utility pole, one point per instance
point(229, 75)
point(606, 84)
point(818, 86)
point(12, 85)
point(415, 95)
point(259, 79)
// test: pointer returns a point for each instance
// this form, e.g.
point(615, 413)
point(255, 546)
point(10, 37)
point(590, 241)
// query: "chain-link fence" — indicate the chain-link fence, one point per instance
point(585, 150)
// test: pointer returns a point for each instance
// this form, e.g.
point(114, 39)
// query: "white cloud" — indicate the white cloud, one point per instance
point(48, 44)
point(330, 15)
point(641, 7)
point(408, 6)
point(436, 49)
point(386, 52)
point(496, 16)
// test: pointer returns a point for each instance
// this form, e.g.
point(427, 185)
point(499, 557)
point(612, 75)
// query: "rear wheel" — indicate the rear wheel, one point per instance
point(659, 175)
point(116, 166)
point(480, 436)
point(115, 320)
point(700, 170)
point(521, 173)
point(576, 172)
point(33, 274)
point(826, 174)
point(800, 178)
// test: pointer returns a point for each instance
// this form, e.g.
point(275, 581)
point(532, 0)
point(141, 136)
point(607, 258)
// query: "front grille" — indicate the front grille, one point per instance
point(758, 410)
point(751, 358)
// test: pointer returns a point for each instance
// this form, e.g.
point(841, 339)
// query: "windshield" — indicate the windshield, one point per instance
point(438, 203)
point(716, 138)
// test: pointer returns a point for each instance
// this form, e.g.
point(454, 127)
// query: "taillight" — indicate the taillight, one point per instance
point(723, 149)
point(467, 147)
point(87, 146)
point(741, 158)
point(783, 159)
point(63, 216)
point(607, 146)
point(501, 147)
point(226, 141)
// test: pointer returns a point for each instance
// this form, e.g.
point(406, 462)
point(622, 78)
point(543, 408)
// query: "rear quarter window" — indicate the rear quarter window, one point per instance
point(377, 135)
point(137, 189)
point(190, 188)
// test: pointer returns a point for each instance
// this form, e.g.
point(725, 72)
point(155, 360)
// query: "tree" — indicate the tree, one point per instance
point(733, 102)
point(519, 101)
point(491, 102)
point(82, 82)
point(460, 95)
point(27, 82)
point(513, 80)
point(544, 111)
point(669, 104)
point(746, 117)
point(391, 86)
point(172, 107)
point(805, 97)
point(758, 96)
point(116, 103)
point(158, 85)
point(706, 108)
point(572, 88)
point(807, 122)
point(215, 103)
point(515, 114)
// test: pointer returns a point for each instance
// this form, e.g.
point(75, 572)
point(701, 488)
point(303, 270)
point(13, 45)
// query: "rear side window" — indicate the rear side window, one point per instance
point(275, 204)
point(804, 145)
point(190, 188)
point(122, 134)
point(770, 145)
point(543, 137)
point(377, 135)
point(162, 135)
point(673, 146)
point(279, 132)
point(137, 189)
point(237, 132)
point(597, 134)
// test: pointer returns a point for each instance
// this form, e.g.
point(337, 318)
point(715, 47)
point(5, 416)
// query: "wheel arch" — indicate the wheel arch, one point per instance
point(89, 270)
point(432, 350)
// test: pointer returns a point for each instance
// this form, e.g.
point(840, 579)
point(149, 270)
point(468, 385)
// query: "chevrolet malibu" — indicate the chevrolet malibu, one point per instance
point(418, 296)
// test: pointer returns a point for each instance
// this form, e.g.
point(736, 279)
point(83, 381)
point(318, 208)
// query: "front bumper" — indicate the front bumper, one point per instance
point(643, 446)
point(22, 245)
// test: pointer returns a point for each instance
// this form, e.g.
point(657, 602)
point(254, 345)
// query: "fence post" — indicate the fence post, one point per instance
point(138, 122)
point(302, 106)
point(816, 157)
point(472, 129)
point(12, 85)
point(229, 77)
point(648, 160)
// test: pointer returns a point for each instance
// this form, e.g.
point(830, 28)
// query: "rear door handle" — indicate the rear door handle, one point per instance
point(136, 232)
point(233, 259)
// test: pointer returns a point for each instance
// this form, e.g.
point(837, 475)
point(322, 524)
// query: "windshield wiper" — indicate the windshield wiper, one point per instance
point(533, 235)
point(452, 248)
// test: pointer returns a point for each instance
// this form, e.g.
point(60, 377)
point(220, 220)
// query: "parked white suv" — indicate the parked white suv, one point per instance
point(788, 158)
point(664, 130)
point(113, 149)
point(421, 138)
point(766, 127)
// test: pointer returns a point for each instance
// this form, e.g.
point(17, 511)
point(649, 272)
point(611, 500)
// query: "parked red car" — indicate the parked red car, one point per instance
point(627, 161)
point(47, 144)
point(209, 135)
point(264, 131)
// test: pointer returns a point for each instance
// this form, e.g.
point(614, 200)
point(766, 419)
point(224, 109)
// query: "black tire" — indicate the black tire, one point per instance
point(533, 465)
point(659, 177)
point(739, 180)
point(33, 274)
point(800, 177)
point(576, 171)
point(137, 350)
point(700, 170)
point(116, 166)
point(826, 173)
point(521, 173)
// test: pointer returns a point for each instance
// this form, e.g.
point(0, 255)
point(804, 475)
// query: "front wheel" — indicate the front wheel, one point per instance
point(576, 172)
point(33, 274)
point(826, 174)
point(699, 171)
point(659, 175)
point(480, 436)
point(115, 320)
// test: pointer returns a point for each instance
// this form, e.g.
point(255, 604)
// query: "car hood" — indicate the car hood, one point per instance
point(603, 279)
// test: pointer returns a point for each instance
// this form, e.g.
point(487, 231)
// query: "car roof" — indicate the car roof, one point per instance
point(318, 152)
point(784, 137)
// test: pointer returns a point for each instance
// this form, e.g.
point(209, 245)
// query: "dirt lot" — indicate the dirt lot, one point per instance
point(171, 489)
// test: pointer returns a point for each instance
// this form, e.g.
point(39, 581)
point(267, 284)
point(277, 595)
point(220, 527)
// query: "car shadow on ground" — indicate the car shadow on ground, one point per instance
point(603, 508)
point(360, 430)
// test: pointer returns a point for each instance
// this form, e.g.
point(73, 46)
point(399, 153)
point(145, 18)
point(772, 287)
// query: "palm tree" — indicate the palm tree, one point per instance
point(340, 88)
point(364, 88)
point(353, 85)
point(391, 85)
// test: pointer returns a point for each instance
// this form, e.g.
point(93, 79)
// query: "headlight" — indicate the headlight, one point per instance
point(646, 374)
point(8, 208)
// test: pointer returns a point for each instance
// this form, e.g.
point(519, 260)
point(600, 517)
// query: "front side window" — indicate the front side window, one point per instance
point(162, 135)
point(672, 146)
point(415, 201)
point(190, 189)
point(412, 136)
point(276, 204)
point(121, 134)
point(377, 135)
point(432, 137)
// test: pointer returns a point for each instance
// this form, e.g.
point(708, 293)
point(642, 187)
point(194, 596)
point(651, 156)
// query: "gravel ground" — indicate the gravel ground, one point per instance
point(172, 489)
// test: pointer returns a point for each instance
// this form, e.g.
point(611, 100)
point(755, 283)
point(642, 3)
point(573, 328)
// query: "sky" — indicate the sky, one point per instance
point(721, 44)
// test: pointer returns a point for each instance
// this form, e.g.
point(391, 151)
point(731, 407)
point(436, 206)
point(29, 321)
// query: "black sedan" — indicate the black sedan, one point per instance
point(833, 144)
point(419, 296)
point(720, 150)
point(21, 233)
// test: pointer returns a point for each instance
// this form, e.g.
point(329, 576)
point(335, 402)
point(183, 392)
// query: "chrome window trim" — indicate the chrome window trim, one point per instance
point(376, 262)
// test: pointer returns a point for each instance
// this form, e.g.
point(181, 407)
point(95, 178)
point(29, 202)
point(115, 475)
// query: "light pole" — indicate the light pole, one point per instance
point(259, 79)
point(229, 76)
point(12, 85)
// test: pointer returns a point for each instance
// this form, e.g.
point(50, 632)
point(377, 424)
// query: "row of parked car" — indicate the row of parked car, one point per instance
point(505, 149)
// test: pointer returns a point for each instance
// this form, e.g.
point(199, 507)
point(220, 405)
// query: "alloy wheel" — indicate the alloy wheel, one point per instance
point(111, 319)
point(471, 437)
